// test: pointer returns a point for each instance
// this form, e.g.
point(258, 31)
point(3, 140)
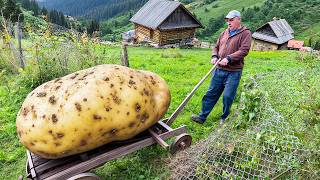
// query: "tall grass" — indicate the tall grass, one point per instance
point(47, 57)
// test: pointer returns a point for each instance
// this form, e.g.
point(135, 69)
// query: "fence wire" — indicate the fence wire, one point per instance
point(268, 149)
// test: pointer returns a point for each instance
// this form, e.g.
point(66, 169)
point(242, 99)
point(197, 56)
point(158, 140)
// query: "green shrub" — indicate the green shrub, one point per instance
point(251, 103)
point(171, 53)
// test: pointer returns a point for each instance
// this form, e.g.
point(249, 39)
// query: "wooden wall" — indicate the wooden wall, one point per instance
point(162, 37)
point(258, 45)
point(173, 36)
point(157, 36)
point(142, 33)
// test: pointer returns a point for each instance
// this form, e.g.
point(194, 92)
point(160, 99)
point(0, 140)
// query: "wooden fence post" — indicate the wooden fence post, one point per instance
point(19, 32)
point(124, 55)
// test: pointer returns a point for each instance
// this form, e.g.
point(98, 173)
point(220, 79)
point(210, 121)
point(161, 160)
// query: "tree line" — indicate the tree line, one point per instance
point(10, 11)
point(300, 14)
point(58, 17)
point(94, 9)
point(52, 16)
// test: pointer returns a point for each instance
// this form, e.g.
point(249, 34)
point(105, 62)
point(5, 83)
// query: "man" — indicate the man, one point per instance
point(231, 48)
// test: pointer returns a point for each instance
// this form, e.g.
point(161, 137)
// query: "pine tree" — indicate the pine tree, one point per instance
point(25, 4)
point(54, 17)
point(12, 12)
point(316, 45)
point(62, 20)
point(93, 26)
point(1, 4)
point(95, 9)
point(44, 11)
point(1, 9)
point(35, 7)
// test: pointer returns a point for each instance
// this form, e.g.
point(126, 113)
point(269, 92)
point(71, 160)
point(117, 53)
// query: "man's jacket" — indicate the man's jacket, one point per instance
point(234, 48)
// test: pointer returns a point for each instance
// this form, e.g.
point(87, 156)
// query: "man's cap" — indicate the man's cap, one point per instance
point(233, 14)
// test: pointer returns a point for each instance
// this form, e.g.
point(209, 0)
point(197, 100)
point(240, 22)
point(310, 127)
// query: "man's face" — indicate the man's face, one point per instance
point(234, 23)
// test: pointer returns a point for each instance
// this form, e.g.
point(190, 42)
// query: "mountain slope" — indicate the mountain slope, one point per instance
point(206, 11)
point(93, 9)
point(115, 14)
point(203, 9)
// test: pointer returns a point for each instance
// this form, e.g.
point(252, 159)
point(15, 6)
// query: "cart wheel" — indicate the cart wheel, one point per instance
point(85, 176)
point(181, 142)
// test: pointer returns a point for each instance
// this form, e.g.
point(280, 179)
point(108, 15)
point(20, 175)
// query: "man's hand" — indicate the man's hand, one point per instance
point(223, 62)
point(214, 60)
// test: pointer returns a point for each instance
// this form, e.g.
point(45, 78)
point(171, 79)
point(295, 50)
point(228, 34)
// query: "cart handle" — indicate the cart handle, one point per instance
point(186, 100)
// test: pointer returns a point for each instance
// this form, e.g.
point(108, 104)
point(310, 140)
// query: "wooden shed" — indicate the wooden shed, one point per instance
point(164, 22)
point(273, 35)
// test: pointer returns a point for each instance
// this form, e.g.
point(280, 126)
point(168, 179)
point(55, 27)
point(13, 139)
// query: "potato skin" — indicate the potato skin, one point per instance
point(90, 108)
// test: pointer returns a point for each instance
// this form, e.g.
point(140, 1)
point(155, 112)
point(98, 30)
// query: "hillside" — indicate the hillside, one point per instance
point(213, 10)
point(201, 8)
point(93, 9)
point(299, 13)
point(114, 15)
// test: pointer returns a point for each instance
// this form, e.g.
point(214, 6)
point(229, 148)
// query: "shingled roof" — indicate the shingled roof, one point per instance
point(155, 12)
point(276, 31)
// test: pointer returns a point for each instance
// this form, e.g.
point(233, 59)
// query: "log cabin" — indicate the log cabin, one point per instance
point(273, 35)
point(164, 22)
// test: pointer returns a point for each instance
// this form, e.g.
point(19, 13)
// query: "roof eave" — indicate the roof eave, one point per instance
point(187, 11)
point(192, 16)
point(264, 39)
point(186, 27)
point(154, 28)
point(168, 15)
point(159, 24)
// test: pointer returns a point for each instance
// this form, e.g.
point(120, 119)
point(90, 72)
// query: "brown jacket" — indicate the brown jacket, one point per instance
point(235, 47)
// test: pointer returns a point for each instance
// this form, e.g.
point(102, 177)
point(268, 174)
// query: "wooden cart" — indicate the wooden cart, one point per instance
point(77, 166)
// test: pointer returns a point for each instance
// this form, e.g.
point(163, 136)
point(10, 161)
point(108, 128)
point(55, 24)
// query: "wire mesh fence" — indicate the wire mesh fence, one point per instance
point(267, 149)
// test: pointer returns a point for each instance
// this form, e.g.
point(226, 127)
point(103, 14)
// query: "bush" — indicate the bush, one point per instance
point(316, 45)
point(171, 53)
point(53, 57)
point(7, 61)
point(251, 103)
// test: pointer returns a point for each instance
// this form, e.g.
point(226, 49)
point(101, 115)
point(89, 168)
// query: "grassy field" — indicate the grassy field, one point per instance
point(313, 32)
point(217, 8)
point(182, 69)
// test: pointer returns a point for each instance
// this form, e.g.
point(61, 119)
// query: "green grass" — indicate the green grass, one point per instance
point(217, 8)
point(313, 32)
point(123, 25)
point(182, 74)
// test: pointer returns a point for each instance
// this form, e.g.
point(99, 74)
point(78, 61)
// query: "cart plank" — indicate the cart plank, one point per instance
point(54, 163)
point(110, 155)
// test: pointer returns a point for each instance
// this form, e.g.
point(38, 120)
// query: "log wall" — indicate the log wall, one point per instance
point(162, 37)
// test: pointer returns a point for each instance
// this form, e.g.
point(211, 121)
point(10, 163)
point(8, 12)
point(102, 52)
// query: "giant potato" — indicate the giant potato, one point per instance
point(89, 108)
